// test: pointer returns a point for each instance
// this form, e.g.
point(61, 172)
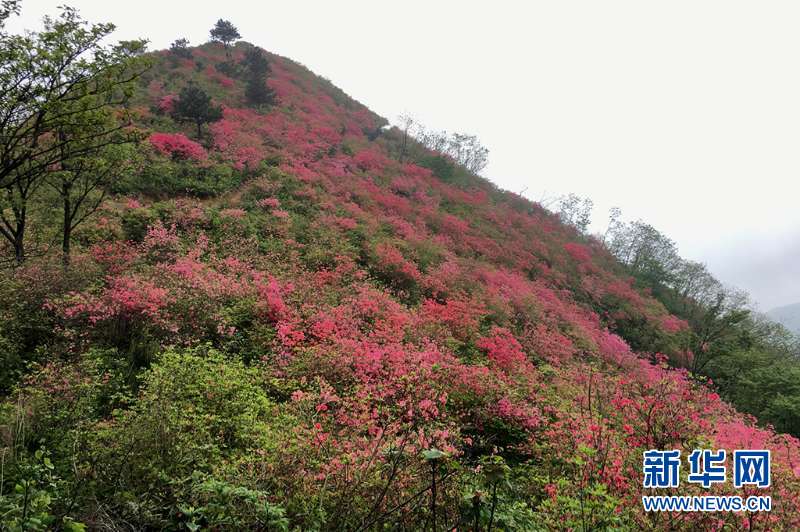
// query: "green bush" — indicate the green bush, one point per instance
point(196, 409)
point(135, 223)
point(169, 178)
point(37, 499)
point(218, 505)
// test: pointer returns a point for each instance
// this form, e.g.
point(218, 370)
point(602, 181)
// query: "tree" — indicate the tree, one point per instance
point(257, 71)
point(62, 79)
point(614, 215)
point(575, 211)
point(406, 123)
point(14, 212)
point(8, 8)
point(468, 151)
point(225, 32)
point(718, 316)
point(180, 47)
point(194, 105)
point(720, 327)
point(256, 62)
point(464, 149)
point(433, 140)
point(81, 184)
point(652, 256)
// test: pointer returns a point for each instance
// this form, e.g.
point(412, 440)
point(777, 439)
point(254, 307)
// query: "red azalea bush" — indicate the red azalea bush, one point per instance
point(177, 145)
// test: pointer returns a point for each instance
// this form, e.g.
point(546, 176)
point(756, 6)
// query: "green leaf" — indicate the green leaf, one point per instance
point(433, 454)
point(73, 526)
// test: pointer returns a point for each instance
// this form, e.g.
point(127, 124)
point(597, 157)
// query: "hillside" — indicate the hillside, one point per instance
point(301, 320)
point(788, 316)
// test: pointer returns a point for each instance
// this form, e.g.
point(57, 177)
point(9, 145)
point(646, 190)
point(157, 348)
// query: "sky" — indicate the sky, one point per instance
point(685, 114)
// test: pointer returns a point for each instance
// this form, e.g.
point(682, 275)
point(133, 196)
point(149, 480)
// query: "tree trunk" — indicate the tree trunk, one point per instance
point(403, 148)
point(15, 235)
point(19, 244)
point(67, 230)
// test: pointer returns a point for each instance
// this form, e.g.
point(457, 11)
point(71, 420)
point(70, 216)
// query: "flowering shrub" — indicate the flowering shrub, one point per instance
point(460, 318)
point(129, 300)
point(395, 269)
point(369, 160)
point(503, 349)
point(672, 324)
point(269, 203)
point(578, 252)
point(166, 103)
point(177, 146)
point(548, 343)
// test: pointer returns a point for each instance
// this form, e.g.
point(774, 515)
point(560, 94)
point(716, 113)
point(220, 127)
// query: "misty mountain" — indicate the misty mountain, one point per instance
point(788, 316)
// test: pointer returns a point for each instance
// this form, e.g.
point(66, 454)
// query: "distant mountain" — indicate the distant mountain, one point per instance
point(788, 316)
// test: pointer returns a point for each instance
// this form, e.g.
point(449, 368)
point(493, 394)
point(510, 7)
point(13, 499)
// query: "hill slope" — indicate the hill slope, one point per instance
point(788, 316)
point(281, 324)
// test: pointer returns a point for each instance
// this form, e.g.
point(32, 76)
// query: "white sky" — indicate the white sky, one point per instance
point(683, 113)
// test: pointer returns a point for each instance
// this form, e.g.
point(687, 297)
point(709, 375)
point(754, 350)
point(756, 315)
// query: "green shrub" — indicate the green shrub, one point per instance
point(218, 505)
point(163, 178)
point(37, 499)
point(196, 409)
point(135, 223)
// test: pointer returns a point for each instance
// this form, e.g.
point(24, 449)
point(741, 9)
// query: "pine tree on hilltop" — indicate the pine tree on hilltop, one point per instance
point(225, 32)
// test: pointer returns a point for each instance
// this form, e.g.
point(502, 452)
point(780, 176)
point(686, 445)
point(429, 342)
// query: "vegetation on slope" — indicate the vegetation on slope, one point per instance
point(286, 316)
point(751, 361)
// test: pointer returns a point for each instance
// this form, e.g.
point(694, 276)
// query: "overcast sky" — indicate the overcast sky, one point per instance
point(685, 114)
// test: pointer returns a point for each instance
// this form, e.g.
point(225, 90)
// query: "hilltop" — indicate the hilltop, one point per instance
point(301, 319)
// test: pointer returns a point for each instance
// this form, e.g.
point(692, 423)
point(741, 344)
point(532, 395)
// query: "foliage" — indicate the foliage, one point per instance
point(575, 211)
point(225, 32)
point(195, 410)
point(177, 146)
point(465, 149)
point(306, 321)
point(751, 361)
point(167, 178)
point(180, 47)
point(218, 504)
point(62, 96)
point(257, 68)
point(194, 105)
point(29, 505)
